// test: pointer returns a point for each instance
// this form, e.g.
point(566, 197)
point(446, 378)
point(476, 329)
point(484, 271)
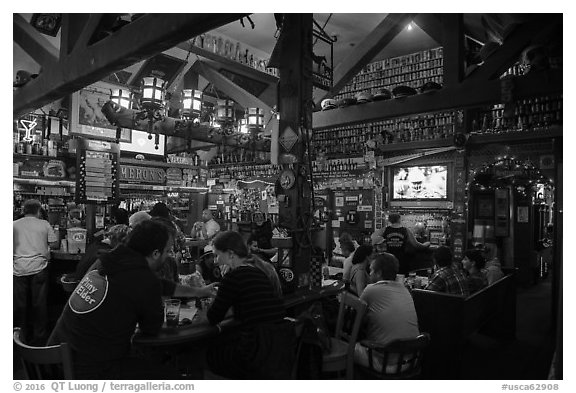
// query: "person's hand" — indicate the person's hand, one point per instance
point(208, 290)
point(224, 269)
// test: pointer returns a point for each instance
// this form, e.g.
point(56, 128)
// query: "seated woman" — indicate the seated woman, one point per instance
point(262, 347)
point(359, 273)
point(474, 263)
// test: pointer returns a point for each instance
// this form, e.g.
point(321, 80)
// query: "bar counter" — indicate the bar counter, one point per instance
point(65, 256)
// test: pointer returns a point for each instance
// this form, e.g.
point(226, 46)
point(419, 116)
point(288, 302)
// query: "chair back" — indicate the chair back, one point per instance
point(350, 316)
point(53, 362)
point(401, 359)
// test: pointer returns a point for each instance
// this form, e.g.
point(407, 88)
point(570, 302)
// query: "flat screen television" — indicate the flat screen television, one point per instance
point(422, 182)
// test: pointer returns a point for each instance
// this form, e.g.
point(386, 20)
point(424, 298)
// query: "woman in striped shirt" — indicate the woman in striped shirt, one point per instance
point(247, 293)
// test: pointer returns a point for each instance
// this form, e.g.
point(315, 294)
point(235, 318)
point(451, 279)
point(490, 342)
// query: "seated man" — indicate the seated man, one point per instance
point(101, 315)
point(348, 251)
point(391, 314)
point(446, 277)
point(473, 263)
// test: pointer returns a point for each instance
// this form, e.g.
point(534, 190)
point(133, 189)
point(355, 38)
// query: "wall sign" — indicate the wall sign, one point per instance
point(131, 173)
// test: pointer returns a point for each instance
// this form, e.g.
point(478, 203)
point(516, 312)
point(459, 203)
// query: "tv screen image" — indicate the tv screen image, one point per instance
point(420, 182)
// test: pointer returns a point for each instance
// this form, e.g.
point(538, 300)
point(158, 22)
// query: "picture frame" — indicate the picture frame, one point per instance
point(86, 117)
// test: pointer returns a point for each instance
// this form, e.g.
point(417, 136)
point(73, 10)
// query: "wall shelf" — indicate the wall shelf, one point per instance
point(466, 94)
point(516, 136)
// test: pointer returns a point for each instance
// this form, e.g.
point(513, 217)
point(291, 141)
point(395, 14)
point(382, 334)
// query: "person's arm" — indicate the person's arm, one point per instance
point(436, 284)
point(360, 280)
point(415, 243)
point(52, 238)
point(224, 301)
point(186, 291)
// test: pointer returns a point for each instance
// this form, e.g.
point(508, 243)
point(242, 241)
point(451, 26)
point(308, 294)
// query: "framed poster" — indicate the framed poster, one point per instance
point(86, 117)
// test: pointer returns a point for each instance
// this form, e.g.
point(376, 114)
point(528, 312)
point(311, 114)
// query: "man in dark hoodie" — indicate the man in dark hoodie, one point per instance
point(101, 315)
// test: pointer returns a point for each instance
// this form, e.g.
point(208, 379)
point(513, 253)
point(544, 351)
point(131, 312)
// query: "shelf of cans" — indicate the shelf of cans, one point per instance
point(233, 51)
point(351, 139)
point(412, 70)
point(245, 171)
point(527, 114)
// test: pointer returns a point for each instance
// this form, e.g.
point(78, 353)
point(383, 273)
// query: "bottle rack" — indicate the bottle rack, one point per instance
point(528, 114)
point(244, 171)
point(351, 139)
point(412, 70)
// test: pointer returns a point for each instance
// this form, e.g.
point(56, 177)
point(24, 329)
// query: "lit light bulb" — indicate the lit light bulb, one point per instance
point(409, 27)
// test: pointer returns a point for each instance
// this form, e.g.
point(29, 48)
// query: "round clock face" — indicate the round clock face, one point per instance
point(287, 179)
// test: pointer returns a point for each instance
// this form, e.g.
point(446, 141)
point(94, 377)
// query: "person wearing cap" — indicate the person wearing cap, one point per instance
point(398, 238)
point(378, 243)
point(32, 239)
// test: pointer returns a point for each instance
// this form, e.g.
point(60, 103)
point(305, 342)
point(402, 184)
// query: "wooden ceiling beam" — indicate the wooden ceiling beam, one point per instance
point(453, 43)
point(142, 38)
point(33, 42)
point(231, 89)
point(72, 26)
point(509, 52)
point(431, 25)
point(87, 33)
point(364, 52)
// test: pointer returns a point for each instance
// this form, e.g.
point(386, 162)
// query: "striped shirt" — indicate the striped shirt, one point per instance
point(249, 291)
point(449, 280)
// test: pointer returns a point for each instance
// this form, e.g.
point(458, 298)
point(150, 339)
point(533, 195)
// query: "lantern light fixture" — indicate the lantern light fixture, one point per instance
point(191, 103)
point(254, 117)
point(243, 126)
point(122, 97)
point(224, 110)
point(153, 93)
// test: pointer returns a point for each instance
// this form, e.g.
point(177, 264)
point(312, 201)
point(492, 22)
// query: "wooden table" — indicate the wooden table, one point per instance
point(201, 329)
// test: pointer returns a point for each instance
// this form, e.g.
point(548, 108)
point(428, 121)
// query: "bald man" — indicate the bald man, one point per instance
point(207, 228)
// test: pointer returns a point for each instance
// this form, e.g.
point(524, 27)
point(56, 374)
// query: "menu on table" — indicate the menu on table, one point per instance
point(98, 166)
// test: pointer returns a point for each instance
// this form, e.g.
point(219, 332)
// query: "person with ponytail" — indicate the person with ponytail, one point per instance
point(261, 346)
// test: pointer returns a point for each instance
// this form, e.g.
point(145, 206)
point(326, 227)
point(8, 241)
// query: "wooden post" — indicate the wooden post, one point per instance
point(294, 190)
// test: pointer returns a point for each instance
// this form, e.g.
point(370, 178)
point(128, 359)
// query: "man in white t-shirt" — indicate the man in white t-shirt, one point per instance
point(206, 229)
point(32, 239)
point(391, 314)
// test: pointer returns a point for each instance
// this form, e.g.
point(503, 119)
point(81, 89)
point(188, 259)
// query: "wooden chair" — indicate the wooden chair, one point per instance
point(54, 362)
point(341, 356)
point(400, 359)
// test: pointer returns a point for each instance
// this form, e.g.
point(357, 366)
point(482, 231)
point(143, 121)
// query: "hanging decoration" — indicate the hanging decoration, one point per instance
point(523, 176)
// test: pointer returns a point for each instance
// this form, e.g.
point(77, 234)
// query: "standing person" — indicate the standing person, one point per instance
point(397, 239)
point(32, 239)
point(474, 263)
point(391, 314)
point(260, 240)
point(101, 315)
point(263, 345)
point(205, 229)
point(359, 273)
point(447, 278)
